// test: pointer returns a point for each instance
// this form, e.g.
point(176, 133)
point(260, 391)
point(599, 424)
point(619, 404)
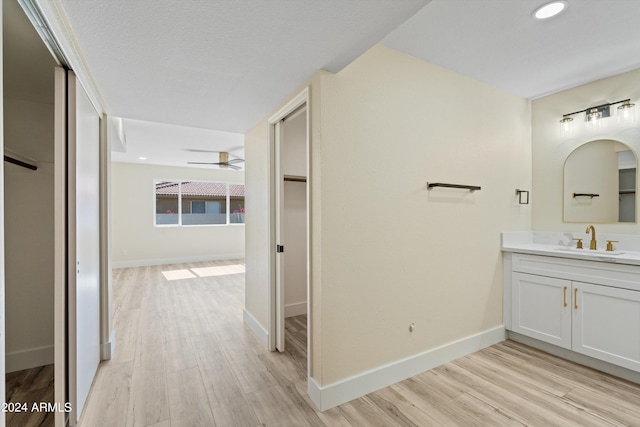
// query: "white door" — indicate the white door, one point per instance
point(541, 308)
point(84, 243)
point(606, 324)
point(280, 238)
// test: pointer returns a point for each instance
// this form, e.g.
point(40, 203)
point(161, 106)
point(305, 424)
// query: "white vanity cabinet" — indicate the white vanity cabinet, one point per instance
point(540, 308)
point(589, 307)
point(606, 324)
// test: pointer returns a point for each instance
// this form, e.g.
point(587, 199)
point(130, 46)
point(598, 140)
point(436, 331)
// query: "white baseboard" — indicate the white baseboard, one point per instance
point(167, 261)
point(256, 327)
point(295, 309)
point(331, 395)
point(27, 359)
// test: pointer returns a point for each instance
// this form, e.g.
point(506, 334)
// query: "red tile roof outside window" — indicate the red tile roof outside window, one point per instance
point(199, 189)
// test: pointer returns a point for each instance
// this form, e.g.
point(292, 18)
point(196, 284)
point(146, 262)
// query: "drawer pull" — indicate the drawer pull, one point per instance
point(575, 298)
point(565, 296)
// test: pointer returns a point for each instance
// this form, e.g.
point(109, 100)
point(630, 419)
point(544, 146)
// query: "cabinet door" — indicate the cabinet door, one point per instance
point(606, 324)
point(541, 308)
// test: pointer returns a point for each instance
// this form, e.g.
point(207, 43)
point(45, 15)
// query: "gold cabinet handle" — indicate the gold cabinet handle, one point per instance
point(575, 298)
point(565, 296)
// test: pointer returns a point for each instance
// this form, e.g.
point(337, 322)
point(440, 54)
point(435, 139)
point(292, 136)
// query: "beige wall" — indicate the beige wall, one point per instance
point(29, 236)
point(550, 149)
point(136, 241)
point(385, 251)
point(393, 252)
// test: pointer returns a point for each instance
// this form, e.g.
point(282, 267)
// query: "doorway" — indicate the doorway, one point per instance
point(290, 290)
point(28, 173)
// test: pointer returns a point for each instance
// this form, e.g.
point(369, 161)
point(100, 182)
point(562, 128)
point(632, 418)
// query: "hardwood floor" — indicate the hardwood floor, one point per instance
point(184, 358)
point(26, 388)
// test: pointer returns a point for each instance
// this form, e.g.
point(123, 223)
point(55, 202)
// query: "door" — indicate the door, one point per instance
point(541, 308)
point(77, 240)
point(280, 238)
point(606, 324)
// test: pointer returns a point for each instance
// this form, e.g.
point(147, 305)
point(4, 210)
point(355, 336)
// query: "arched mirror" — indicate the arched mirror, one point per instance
point(600, 183)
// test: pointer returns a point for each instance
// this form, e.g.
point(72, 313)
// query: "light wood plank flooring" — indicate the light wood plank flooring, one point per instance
point(30, 386)
point(184, 358)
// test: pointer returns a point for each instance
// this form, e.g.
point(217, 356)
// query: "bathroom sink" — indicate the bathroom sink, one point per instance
point(589, 252)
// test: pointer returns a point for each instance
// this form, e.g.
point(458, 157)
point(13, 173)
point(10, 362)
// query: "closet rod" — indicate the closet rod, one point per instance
point(17, 162)
point(295, 178)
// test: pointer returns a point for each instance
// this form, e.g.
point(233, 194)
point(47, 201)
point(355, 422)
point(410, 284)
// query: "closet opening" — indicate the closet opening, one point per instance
point(28, 100)
point(290, 311)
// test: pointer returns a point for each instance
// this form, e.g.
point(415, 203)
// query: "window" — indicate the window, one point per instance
point(198, 203)
point(236, 204)
point(167, 203)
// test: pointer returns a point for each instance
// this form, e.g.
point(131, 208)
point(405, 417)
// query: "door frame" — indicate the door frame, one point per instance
point(301, 99)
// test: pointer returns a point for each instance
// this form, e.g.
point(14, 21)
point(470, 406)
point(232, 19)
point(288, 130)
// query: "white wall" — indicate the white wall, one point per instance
point(550, 148)
point(294, 146)
point(136, 241)
point(385, 251)
point(28, 236)
point(295, 243)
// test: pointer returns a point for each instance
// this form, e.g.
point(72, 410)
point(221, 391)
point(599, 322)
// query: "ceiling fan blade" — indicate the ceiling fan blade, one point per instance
point(232, 161)
point(202, 163)
point(234, 167)
point(195, 150)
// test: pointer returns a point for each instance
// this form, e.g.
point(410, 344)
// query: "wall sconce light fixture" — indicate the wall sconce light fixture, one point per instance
point(566, 126)
point(625, 112)
point(594, 114)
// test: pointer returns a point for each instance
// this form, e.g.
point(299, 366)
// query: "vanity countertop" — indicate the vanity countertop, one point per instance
point(562, 245)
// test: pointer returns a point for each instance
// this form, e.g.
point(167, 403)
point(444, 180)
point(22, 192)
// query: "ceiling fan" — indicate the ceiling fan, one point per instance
point(223, 160)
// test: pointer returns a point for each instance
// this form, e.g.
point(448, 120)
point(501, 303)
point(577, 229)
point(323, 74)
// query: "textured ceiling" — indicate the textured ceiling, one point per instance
point(220, 64)
point(499, 43)
point(224, 64)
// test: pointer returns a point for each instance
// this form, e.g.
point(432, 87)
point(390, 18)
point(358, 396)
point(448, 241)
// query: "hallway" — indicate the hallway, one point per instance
point(185, 358)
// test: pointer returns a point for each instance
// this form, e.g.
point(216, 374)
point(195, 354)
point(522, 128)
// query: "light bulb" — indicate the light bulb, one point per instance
point(566, 126)
point(626, 113)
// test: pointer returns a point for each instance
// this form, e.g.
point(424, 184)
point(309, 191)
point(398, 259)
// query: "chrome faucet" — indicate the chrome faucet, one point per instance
point(593, 244)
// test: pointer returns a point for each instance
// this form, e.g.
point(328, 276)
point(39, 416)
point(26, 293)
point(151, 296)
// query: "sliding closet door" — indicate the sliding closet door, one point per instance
point(279, 231)
point(61, 394)
point(84, 249)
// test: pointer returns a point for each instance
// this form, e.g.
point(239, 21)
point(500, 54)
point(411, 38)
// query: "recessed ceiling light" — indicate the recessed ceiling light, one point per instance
point(142, 158)
point(550, 9)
